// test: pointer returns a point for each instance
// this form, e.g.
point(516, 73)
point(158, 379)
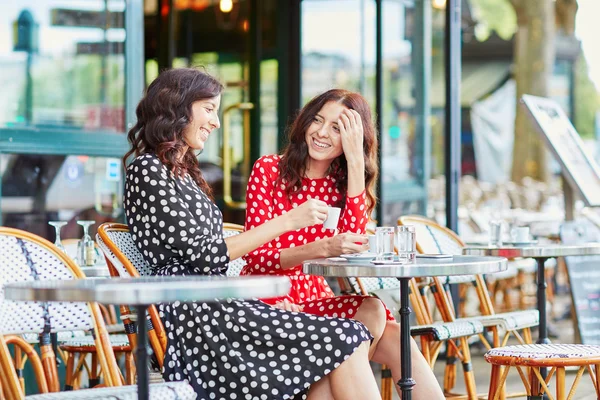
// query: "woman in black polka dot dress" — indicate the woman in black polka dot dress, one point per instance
point(229, 349)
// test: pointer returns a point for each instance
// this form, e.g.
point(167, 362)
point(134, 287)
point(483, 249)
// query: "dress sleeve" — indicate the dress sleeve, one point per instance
point(259, 209)
point(354, 218)
point(159, 213)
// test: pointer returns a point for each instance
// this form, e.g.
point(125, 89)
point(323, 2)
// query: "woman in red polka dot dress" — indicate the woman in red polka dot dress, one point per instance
point(331, 159)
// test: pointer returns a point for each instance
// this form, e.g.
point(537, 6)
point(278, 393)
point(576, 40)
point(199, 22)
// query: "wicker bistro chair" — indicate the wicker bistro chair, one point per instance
point(27, 257)
point(534, 357)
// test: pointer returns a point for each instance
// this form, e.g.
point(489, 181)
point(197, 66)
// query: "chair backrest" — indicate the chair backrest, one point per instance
point(235, 266)
point(116, 243)
point(433, 238)
point(26, 257)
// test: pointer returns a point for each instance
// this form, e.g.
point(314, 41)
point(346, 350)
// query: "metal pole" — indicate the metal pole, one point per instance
point(290, 65)
point(379, 100)
point(134, 58)
point(452, 42)
point(452, 129)
point(254, 77)
point(422, 72)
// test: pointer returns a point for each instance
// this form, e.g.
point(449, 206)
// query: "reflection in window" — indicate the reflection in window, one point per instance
point(62, 64)
point(342, 57)
point(41, 188)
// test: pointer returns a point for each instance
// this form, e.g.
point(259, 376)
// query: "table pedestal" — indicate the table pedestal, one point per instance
point(406, 382)
point(142, 354)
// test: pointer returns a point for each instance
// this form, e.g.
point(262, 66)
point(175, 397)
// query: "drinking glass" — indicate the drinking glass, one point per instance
point(495, 238)
point(385, 243)
point(86, 251)
point(406, 243)
point(57, 226)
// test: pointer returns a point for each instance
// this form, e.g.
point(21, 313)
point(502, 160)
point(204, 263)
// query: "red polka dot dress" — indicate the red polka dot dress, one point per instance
point(266, 200)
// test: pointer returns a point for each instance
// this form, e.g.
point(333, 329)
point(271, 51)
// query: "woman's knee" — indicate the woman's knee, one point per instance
point(373, 314)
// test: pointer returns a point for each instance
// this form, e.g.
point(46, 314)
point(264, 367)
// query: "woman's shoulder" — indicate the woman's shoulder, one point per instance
point(268, 164)
point(145, 160)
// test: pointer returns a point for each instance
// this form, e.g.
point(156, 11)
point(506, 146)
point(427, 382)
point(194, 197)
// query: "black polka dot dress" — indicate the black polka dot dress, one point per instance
point(228, 349)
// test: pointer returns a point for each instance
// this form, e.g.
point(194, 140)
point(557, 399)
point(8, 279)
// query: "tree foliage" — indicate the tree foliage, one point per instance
point(494, 16)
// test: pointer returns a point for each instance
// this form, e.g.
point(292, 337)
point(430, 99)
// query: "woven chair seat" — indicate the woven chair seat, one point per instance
point(545, 354)
point(34, 338)
point(158, 391)
point(88, 341)
point(511, 321)
point(448, 330)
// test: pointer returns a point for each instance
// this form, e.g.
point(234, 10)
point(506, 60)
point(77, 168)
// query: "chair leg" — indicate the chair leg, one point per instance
point(18, 363)
point(494, 381)
point(49, 363)
point(387, 383)
point(94, 378)
point(560, 383)
point(129, 369)
point(468, 369)
point(70, 371)
point(450, 371)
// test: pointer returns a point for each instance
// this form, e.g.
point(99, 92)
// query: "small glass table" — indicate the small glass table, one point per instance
point(422, 267)
point(142, 292)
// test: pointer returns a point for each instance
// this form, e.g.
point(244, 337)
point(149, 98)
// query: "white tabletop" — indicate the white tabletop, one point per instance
point(422, 267)
point(535, 251)
point(149, 290)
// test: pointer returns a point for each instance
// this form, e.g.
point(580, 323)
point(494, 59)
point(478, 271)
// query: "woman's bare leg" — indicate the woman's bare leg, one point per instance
point(354, 379)
point(388, 352)
point(372, 314)
point(320, 390)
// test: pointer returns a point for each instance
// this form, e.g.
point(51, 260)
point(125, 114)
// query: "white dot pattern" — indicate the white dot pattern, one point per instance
point(265, 200)
point(228, 349)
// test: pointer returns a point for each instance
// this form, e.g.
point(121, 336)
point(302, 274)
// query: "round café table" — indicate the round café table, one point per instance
point(142, 292)
point(422, 267)
point(541, 253)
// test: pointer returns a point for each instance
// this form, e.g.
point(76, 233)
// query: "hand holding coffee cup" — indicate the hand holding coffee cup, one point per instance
point(333, 216)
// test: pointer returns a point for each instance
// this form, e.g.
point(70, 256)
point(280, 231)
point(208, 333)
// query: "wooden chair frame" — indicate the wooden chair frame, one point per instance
point(47, 381)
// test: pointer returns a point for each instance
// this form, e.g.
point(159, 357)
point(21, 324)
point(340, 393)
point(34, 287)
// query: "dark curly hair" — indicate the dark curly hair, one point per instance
point(162, 116)
point(294, 157)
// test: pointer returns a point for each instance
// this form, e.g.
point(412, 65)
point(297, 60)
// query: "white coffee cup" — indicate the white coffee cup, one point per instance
point(372, 243)
point(520, 234)
point(333, 216)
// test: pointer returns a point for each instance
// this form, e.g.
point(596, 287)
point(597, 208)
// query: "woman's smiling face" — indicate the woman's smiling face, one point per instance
point(204, 121)
point(323, 134)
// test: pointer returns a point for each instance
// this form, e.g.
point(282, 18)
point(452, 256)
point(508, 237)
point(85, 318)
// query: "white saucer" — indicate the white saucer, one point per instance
point(359, 257)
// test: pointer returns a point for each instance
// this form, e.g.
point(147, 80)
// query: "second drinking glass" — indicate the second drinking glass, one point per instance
point(406, 243)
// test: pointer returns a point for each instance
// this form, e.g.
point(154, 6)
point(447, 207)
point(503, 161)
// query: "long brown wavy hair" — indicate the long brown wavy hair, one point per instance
point(162, 116)
point(292, 165)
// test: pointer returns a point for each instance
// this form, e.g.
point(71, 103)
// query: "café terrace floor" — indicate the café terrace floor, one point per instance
point(585, 389)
